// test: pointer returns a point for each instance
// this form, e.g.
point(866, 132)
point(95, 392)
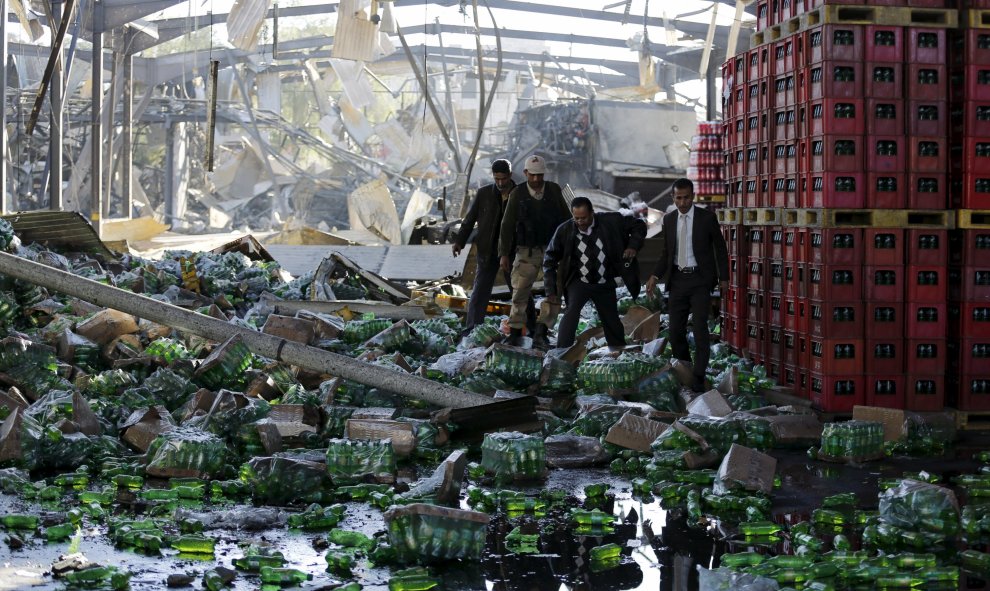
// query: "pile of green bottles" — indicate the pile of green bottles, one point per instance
point(520, 543)
point(592, 523)
point(257, 556)
point(516, 366)
point(359, 331)
point(98, 576)
point(283, 481)
point(602, 375)
point(351, 460)
point(317, 517)
point(483, 335)
point(920, 506)
point(514, 455)
point(719, 433)
point(852, 439)
point(227, 366)
point(186, 451)
point(426, 533)
point(484, 382)
point(390, 339)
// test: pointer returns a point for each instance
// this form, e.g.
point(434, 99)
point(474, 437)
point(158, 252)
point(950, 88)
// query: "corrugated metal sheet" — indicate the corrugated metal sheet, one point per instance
point(65, 229)
point(356, 37)
point(244, 22)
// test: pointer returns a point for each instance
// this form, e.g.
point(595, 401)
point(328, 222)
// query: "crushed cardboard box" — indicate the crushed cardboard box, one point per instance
point(746, 469)
point(635, 432)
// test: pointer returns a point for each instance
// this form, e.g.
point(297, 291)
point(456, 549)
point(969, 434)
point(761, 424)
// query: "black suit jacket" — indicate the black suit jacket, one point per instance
point(486, 212)
point(709, 247)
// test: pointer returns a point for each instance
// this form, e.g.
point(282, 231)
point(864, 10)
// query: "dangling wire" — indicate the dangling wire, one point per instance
point(211, 99)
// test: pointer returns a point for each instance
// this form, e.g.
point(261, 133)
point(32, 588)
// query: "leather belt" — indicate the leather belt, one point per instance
point(687, 270)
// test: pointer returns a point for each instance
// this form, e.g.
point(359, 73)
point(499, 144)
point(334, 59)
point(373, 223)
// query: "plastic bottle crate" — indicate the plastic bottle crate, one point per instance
point(756, 338)
point(783, 158)
point(975, 190)
point(883, 80)
point(756, 128)
point(790, 305)
point(759, 63)
point(926, 283)
point(974, 392)
point(969, 247)
point(837, 42)
point(974, 319)
point(738, 271)
point(885, 390)
point(928, 154)
point(884, 116)
point(756, 307)
point(927, 82)
point(791, 253)
point(734, 302)
point(974, 356)
point(884, 355)
point(926, 246)
point(839, 116)
point(925, 392)
point(784, 56)
point(734, 331)
point(756, 97)
point(836, 356)
point(735, 241)
point(884, 43)
point(927, 118)
point(926, 46)
point(775, 310)
point(926, 320)
point(974, 282)
point(926, 356)
point(886, 154)
point(757, 237)
point(791, 347)
point(775, 343)
point(832, 153)
point(885, 318)
point(832, 79)
point(794, 285)
point(831, 393)
point(834, 246)
point(971, 154)
point(776, 242)
point(883, 283)
point(783, 126)
point(971, 46)
point(971, 118)
point(756, 272)
point(782, 192)
point(883, 246)
point(885, 190)
point(784, 91)
point(789, 377)
point(787, 9)
point(751, 192)
point(776, 275)
point(834, 282)
point(971, 82)
point(835, 319)
point(927, 190)
point(765, 17)
point(842, 190)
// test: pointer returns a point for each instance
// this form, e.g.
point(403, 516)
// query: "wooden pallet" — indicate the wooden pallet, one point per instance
point(967, 420)
point(730, 215)
point(868, 218)
point(973, 218)
point(975, 19)
point(762, 216)
point(904, 16)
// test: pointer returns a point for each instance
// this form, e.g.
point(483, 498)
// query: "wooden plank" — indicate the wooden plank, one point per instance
point(379, 309)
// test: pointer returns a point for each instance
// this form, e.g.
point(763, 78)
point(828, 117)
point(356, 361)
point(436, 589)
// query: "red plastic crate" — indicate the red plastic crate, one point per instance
point(974, 319)
point(971, 118)
point(884, 116)
point(971, 154)
point(926, 320)
point(756, 338)
point(969, 247)
point(836, 356)
point(884, 43)
point(738, 271)
point(783, 158)
point(883, 80)
point(926, 46)
point(832, 153)
point(974, 391)
point(884, 355)
point(837, 42)
point(925, 392)
point(784, 56)
point(833, 190)
point(756, 97)
point(792, 252)
point(927, 82)
point(752, 195)
point(885, 318)
point(757, 270)
point(783, 191)
point(731, 132)
point(759, 63)
point(765, 17)
point(832, 79)
point(787, 9)
point(791, 348)
point(975, 190)
point(734, 239)
point(757, 237)
point(776, 284)
point(974, 79)
point(784, 91)
point(975, 283)
point(736, 163)
point(756, 128)
point(924, 246)
point(883, 283)
point(836, 393)
point(737, 67)
point(834, 246)
point(927, 190)
point(928, 118)
point(971, 46)
point(776, 242)
point(794, 279)
point(790, 313)
point(783, 126)
point(974, 356)
point(834, 282)
point(886, 153)
point(885, 390)
point(839, 116)
point(775, 310)
point(734, 331)
point(775, 343)
point(883, 246)
point(756, 307)
point(926, 283)
point(734, 302)
point(751, 161)
point(835, 320)
point(928, 154)
point(926, 356)
point(885, 190)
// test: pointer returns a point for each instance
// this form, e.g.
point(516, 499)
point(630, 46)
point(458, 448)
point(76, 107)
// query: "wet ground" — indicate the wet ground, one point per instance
point(665, 561)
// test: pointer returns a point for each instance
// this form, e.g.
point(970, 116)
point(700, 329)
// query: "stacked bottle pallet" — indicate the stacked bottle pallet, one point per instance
point(836, 134)
point(705, 163)
point(969, 255)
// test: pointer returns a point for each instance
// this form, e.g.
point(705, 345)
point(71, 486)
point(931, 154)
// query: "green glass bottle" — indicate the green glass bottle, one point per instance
point(741, 559)
point(128, 481)
point(975, 560)
point(802, 539)
point(284, 576)
point(520, 543)
point(759, 528)
point(789, 561)
point(593, 517)
point(158, 494)
point(213, 581)
point(841, 542)
point(16, 521)
point(76, 481)
point(350, 539)
point(101, 497)
point(90, 576)
point(941, 575)
point(194, 544)
point(605, 557)
point(828, 516)
point(594, 490)
point(899, 581)
point(58, 533)
point(413, 579)
point(255, 562)
point(340, 563)
point(839, 500)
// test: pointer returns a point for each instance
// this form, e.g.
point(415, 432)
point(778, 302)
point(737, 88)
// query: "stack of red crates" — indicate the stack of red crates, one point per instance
point(826, 115)
point(970, 244)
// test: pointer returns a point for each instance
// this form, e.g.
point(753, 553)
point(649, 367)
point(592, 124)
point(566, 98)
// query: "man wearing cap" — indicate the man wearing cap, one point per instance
point(533, 212)
point(486, 211)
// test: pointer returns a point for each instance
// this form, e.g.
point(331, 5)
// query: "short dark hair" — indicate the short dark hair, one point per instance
point(582, 202)
point(683, 183)
point(502, 165)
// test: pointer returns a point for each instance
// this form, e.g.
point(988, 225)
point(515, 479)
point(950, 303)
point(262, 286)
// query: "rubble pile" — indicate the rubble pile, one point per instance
point(121, 427)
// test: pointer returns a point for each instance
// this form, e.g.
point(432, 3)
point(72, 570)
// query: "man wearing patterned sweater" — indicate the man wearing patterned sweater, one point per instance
point(581, 263)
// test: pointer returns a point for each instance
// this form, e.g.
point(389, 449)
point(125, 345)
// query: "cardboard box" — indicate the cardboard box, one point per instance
point(746, 469)
point(796, 430)
point(892, 420)
point(403, 435)
point(300, 330)
point(635, 432)
point(144, 425)
point(709, 404)
point(106, 325)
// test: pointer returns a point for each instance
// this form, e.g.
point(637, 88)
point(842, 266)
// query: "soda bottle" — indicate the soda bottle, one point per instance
point(741, 559)
point(57, 533)
point(194, 544)
point(285, 577)
point(255, 562)
point(15, 521)
point(213, 581)
point(128, 481)
point(350, 539)
point(413, 579)
point(605, 557)
point(759, 528)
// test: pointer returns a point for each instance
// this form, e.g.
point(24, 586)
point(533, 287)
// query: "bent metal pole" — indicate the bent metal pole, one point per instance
point(266, 345)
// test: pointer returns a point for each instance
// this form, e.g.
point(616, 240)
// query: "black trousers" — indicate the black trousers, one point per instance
point(690, 294)
point(602, 295)
point(481, 293)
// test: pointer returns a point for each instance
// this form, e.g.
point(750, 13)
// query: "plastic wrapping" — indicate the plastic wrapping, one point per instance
point(723, 579)
point(572, 451)
point(596, 420)
point(719, 433)
point(20, 441)
point(518, 367)
point(852, 440)
point(557, 376)
point(359, 331)
point(659, 390)
point(184, 452)
point(428, 533)
point(514, 455)
point(920, 506)
point(350, 461)
point(484, 382)
point(391, 338)
point(287, 481)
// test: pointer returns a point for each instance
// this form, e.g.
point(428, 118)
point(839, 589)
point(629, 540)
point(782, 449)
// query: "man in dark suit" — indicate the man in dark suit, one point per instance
point(486, 211)
point(693, 260)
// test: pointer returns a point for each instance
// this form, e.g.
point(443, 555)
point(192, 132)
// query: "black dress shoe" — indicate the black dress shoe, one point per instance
point(699, 386)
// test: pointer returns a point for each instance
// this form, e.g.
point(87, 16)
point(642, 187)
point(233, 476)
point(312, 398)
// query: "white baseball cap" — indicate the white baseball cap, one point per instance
point(535, 165)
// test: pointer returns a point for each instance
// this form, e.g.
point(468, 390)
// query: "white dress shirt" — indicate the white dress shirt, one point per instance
point(691, 261)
